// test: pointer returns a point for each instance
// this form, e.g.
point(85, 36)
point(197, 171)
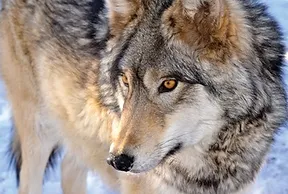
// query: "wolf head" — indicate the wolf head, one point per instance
point(179, 70)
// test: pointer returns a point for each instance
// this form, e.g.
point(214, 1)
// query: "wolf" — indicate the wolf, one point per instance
point(49, 51)
point(180, 96)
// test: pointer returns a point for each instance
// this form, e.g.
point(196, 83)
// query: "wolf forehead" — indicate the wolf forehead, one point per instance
point(204, 31)
point(213, 30)
point(143, 46)
point(147, 53)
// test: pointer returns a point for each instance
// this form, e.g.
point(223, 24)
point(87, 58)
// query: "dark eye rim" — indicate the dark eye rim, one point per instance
point(163, 89)
point(121, 75)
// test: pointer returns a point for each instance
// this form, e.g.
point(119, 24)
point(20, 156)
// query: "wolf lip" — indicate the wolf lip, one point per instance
point(173, 151)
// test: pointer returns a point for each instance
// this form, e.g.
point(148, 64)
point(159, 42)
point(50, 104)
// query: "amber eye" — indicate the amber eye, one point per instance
point(168, 85)
point(125, 80)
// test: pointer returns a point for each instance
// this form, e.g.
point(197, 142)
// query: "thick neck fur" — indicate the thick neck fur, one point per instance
point(228, 164)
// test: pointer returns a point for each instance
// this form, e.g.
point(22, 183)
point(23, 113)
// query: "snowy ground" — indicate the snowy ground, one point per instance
point(273, 179)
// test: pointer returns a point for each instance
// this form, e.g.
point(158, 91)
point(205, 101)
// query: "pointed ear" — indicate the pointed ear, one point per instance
point(208, 26)
point(210, 17)
point(120, 13)
point(118, 6)
point(213, 8)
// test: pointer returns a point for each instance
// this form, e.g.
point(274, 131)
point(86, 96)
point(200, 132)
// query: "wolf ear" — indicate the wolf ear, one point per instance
point(210, 7)
point(120, 13)
point(118, 6)
point(209, 26)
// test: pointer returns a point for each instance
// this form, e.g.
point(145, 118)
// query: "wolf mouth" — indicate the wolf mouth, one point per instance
point(173, 151)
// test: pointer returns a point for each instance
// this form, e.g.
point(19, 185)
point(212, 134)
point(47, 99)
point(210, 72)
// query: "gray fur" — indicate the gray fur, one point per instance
point(250, 93)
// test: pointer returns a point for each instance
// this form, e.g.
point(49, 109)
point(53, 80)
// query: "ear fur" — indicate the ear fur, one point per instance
point(207, 26)
point(215, 6)
point(118, 6)
point(120, 13)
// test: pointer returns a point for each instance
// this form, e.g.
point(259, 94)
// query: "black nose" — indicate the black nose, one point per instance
point(121, 162)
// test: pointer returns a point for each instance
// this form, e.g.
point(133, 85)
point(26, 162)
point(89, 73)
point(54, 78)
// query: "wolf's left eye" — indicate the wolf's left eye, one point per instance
point(125, 80)
point(168, 86)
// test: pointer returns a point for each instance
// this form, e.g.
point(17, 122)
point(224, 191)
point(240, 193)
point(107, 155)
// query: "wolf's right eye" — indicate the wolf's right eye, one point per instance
point(168, 85)
point(125, 80)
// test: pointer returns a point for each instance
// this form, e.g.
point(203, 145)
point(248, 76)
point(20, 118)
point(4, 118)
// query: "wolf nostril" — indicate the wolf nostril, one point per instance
point(110, 160)
point(122, 162)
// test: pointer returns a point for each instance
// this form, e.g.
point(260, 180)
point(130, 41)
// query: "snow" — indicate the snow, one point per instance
point(273, 179)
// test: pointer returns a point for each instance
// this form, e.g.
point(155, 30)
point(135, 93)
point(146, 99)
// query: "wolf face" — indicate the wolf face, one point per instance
point(161, 114)
point(180, 70)
point(195, 84)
